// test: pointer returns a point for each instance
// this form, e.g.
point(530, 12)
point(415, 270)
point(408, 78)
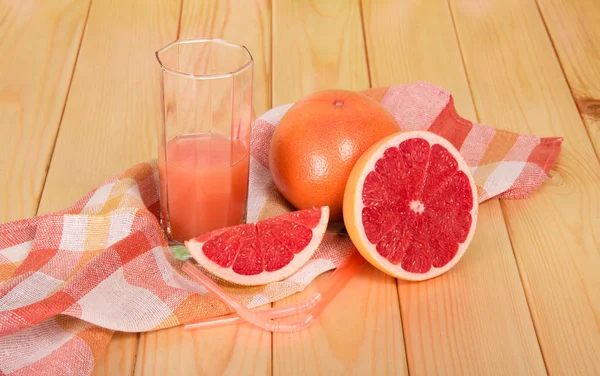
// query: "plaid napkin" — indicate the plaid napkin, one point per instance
point(69, 279)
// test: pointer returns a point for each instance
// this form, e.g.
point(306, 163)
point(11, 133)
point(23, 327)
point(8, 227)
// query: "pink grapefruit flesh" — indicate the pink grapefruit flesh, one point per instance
point(410, 205)
point(263, 252)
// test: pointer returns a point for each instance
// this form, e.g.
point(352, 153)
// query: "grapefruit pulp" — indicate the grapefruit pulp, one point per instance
point(410, 205)
point(263, 252)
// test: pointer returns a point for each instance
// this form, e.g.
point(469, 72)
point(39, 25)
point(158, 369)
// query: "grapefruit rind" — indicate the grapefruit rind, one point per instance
point(353, 204)
point(335, 127)
point(263, 278)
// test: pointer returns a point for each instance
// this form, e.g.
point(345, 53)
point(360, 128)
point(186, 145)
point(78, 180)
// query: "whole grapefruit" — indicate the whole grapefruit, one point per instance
point(318, 141)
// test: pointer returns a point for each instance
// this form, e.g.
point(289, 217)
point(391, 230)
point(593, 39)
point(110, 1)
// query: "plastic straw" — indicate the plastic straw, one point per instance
point(265, 318)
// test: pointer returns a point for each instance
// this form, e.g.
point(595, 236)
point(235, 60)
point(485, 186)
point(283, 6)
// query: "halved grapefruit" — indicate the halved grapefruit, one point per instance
point(263, 252)
point(410, 205)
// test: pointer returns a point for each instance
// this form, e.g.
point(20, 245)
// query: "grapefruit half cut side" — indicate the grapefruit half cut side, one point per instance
point(263, 252)
point(410, 205)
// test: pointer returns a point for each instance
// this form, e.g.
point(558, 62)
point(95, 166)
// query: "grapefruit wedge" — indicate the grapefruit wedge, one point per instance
point(410, 205)
point(263, 252)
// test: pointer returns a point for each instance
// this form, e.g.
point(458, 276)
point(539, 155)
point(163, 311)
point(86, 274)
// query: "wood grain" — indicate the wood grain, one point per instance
point(231, 350)
point(112, 113)
point(244, 350)
point(111, 116)
point(119, 356)
point(360, 332)
point(473, 319)
point(415, 41)
point(517, 84)
point(39, 44)
point(573, 26)
point(316, 46)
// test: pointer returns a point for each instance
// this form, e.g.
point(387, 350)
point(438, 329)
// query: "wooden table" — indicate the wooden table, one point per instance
point(78, 104)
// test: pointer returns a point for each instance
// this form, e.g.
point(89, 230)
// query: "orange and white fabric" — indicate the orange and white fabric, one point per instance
point(70, 279)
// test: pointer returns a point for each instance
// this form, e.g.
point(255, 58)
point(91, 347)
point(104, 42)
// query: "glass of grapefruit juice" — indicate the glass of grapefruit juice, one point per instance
point(205, 136)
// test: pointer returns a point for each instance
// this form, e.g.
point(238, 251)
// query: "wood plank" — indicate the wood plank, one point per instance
point(319, 45)
point(573, 27)
point(39, 44)
point(316, 45)
point(120, 355)
point(473, 319)
point(112, 113)
point(415, 41)
point(517, 84)
point(231, 350)
point(243, 350)
point(360, 332)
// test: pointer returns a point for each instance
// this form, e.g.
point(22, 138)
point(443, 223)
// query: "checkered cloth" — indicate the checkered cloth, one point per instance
point(70, 279)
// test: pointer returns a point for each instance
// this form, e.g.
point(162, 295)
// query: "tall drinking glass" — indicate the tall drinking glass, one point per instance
point(205, 136)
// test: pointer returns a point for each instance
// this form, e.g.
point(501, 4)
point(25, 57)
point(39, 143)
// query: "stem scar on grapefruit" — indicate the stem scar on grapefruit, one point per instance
point(318, 141)
point(410, 205)
point(263, 252)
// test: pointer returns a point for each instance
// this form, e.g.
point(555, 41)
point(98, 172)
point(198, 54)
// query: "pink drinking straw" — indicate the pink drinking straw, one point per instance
point(264, 319)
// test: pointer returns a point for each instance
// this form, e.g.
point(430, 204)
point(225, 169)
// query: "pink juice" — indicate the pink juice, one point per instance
point(207, 177)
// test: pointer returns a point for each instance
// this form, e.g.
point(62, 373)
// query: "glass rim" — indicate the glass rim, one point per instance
point(166, 69)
